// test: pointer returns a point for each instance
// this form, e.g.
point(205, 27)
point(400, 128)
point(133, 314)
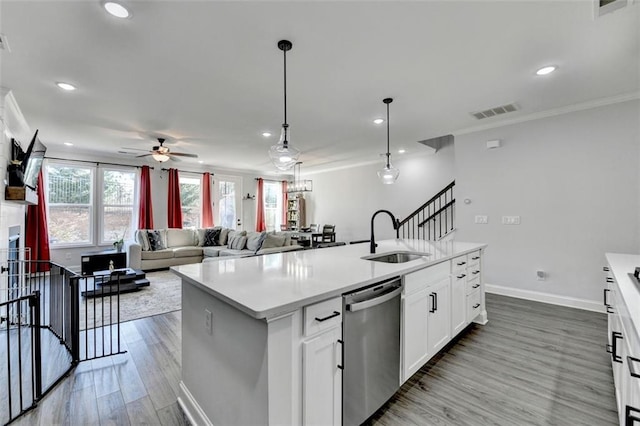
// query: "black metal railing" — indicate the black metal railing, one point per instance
point(45, 303)
point(434, 219)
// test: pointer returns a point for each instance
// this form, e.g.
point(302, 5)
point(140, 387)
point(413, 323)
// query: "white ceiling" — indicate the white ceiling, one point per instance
point(208, 75)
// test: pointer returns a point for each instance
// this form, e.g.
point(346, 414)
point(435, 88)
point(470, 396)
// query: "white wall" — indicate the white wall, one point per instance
point(12, 124)
point(573, 179)
point(348, 198)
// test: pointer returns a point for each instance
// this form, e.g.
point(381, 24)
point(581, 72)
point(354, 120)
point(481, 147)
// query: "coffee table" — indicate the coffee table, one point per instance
point(106, 283)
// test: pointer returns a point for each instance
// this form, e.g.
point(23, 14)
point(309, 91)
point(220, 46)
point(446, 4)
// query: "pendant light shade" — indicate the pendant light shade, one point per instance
point(283, 155)
point(388, 174)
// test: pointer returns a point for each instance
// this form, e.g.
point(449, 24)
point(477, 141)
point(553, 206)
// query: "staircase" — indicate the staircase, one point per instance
point(434, 220)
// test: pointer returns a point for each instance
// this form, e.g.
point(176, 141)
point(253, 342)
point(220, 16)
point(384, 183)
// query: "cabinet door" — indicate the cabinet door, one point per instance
point(458, 303)
point(415, 308)
point(439, 319)
point(322, 379)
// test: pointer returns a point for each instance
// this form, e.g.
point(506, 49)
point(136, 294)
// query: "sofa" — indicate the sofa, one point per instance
point(163, 248)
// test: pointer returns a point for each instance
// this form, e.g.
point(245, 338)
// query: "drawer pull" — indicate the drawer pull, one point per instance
point(605, 268)
point(613, 347)
point(333, 315)
point(476, 306)
point(606, 290)
point(475, 258)
point(631, 418)
point(610, 310)
point(461, 263)
point(434, 302)
point(631, 361)
point(609, 279)
point(461, 276)
point(341, 367)
point(475, 286)
point(475, 272)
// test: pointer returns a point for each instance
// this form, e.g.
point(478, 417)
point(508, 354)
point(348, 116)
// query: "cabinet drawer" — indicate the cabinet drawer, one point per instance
point(419, 280)
point(473, 284)
point(474, 305)
point(473, 260)
point(322, 316)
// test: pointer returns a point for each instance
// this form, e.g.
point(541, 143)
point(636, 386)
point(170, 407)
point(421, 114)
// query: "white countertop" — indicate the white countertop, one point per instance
point(621, 266)
point(269, 285)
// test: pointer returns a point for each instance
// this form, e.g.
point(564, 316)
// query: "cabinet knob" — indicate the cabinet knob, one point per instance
point(476, 306)
point(605, 268)
point(475, 286)
point(461, 263)
point(476, 272)
point(475, 258)
point(461, 276)
point(609, 279)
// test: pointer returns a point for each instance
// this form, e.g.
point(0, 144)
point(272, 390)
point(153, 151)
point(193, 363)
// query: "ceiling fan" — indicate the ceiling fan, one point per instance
point(162, 153)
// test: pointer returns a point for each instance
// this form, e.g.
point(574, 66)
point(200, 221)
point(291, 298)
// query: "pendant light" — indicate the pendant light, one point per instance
point(283, 155)
point(388, 174)
point(299, 185)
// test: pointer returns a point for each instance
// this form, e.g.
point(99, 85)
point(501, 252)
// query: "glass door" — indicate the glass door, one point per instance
point(227, 196)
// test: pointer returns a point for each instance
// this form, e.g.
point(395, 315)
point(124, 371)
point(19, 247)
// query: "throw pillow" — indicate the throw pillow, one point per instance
point(211, 237)
point(155, 240)
point(254, 240)
point(224, 234)
point(142, 239)
point(237, 242)
point(272, 241)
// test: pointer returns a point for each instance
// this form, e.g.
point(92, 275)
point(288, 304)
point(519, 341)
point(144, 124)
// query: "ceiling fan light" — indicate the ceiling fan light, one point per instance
point(160, 158)
point(388, 174)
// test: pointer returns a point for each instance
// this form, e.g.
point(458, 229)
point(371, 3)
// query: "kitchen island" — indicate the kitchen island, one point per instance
point(261, 336)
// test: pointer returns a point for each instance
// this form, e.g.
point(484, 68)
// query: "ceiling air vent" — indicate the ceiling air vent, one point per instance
point(492, 112)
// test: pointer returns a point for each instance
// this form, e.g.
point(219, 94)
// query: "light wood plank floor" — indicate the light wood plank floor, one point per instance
point(532, 364)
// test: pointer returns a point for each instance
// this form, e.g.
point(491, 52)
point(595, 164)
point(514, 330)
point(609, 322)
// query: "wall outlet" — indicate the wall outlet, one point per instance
point(208, 321)
point(541, 275)
point(511, 220)
point(67, 256)
point(482, 219)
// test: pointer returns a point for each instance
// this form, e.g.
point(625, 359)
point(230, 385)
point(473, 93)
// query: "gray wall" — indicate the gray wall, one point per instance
point(347, 198)
point(572, 178)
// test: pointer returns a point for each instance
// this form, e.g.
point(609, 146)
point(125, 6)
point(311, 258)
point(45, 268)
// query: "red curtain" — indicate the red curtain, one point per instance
point(260, 223)
point(174, 207)
point(285, 199)
point(207, 206)
point(37, 233)
point(145, 209)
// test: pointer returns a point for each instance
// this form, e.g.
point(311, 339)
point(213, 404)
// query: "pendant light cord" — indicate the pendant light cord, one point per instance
point(285, 87)
point(388, 153)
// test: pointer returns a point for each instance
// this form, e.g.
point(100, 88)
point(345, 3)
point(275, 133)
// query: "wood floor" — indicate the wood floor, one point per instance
point(532, 364)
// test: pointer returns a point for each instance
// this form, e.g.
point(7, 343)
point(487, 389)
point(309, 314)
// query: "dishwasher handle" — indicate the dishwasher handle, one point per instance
point(353, 307)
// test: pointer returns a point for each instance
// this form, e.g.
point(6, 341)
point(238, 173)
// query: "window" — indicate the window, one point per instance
point(273, 205)
point(70, 204)
point(191, 200)
point(118, 195)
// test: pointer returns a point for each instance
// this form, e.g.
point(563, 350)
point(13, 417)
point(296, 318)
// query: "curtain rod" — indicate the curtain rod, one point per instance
point(187, 171)
point(95, 162)
point(270, 180)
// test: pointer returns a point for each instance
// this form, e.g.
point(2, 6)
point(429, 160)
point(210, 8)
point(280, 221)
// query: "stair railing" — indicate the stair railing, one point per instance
point(433, 220)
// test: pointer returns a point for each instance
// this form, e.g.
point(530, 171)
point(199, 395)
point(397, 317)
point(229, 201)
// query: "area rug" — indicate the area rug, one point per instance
point(161, 296)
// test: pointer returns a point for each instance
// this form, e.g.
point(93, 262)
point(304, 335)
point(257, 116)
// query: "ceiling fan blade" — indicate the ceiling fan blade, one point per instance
point(144, 155)
point(125, 148)
point(182, 154)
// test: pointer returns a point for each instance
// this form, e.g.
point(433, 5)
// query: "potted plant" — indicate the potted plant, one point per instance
point(119, 242)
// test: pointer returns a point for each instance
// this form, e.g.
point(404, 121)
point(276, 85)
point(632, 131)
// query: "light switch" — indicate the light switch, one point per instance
point(208, 321)
point(511, 220)
point(482, 219)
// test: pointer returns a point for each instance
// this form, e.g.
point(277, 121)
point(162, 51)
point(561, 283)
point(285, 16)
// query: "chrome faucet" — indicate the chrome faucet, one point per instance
point(396, 226)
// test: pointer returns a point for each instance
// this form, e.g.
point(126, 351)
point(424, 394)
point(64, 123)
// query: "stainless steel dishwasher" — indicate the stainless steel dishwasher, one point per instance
point(371, 336)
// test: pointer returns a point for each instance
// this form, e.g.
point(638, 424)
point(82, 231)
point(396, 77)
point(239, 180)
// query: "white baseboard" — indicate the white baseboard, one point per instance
point(191, 408)
point(571, 302)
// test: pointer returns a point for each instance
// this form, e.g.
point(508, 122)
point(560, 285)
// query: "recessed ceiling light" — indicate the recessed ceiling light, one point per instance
point(401, 151)
point(116, 9)
point(200, 161)
point(546, 70)
point(266, 134)
point(68, 144)
point(378, 121)
point(66, 86)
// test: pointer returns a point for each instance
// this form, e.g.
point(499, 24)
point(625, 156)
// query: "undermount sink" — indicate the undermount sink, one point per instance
point(396, 257)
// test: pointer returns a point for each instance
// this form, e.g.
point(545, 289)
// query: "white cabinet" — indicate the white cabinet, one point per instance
point(322, 363)
point(322, 378)
point(414, 336)
point(623, 341)
point(439, 319)
point(458, 299)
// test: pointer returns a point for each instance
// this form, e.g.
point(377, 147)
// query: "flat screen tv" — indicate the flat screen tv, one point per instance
point(32, 162)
